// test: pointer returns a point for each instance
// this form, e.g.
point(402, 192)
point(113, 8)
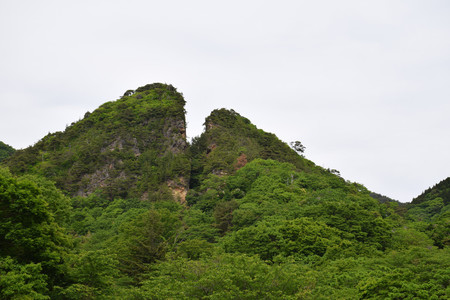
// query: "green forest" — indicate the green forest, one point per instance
point(120, 205)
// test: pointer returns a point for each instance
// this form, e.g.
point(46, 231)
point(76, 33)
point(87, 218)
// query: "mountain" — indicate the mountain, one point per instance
point(5, 151)
point(132, 147)
point(230, 141)
point(440, 190)
point(120, 206)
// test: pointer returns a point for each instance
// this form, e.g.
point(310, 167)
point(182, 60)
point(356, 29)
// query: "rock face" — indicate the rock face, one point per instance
point(175, 134)
point(132, 147)
point(179, 189)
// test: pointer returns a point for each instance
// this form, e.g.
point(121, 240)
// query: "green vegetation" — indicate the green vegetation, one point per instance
point(431, 211)
point(127, 148)
point(5, 151)
point(440, 190)
point(100, 211)
point(230, 141)
point(33, 243)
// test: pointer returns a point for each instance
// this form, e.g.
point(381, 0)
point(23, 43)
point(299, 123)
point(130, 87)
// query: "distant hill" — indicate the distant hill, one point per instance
point(5, 151)
point(441, 190)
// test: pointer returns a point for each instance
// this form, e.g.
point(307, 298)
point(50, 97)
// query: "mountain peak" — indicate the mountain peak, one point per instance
point(117, 147)
point(231, 140)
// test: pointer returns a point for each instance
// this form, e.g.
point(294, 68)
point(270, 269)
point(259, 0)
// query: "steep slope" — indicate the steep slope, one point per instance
point(5, 151)
point(132, 147)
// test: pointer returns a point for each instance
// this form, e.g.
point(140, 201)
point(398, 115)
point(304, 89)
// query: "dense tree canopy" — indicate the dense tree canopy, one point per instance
point(32, 242)
point(5, 151)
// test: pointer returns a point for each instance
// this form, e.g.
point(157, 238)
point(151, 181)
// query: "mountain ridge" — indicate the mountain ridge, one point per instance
point(103, 150)
point(236, 214)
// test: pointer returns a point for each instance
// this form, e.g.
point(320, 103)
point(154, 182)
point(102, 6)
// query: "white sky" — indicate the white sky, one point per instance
point(365, 85)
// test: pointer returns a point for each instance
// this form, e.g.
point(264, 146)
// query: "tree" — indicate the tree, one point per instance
point(299, 238)
point(29, 233)
point(92, 273)
point(19, 281)
point(226, 276)
point(146, 239)
point(5, 151)
point(128, 93)
point(298, 146)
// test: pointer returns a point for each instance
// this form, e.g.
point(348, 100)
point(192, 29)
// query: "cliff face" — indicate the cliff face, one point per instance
point(132, 147)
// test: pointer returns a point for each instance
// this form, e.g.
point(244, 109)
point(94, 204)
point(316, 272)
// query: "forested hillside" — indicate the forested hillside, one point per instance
point(5, 151)
point(126, 148)
point(120, 206)
point(440, 190)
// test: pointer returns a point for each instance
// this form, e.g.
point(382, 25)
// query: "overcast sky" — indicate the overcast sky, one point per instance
point(364, 85)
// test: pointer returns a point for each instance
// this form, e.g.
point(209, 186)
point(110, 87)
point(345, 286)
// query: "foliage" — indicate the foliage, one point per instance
point(230, 141)
point(95, 215)
point(29, 232)
point(22, 281)
point(433, 208)
point(225, 276)
point(440, 190)
point(146, 239)
point(129, 147)
point(268, 188)
point(298, 146)
point(199, 225)
point(382, 198)
point(299, 238)
point(92, 274)
point(259, 221)
point(416, 273)
point(5, 151)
